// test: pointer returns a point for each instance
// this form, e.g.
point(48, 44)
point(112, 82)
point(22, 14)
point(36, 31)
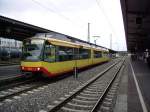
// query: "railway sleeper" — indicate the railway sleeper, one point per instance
point(90, 95)
point(86, 98)
point(83, 101)
point(78, 106)
point(66, 109)
point(91, 92)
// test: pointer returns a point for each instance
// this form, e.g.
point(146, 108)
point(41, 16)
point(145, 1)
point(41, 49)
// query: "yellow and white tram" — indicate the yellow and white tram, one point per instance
point(50, 57)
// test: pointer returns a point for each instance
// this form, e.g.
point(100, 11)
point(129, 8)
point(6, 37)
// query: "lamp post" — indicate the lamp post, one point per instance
point(110, 41)
point(96, 38)
point(88, 38)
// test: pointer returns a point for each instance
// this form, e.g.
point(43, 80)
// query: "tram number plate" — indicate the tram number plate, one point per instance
point(29, 69)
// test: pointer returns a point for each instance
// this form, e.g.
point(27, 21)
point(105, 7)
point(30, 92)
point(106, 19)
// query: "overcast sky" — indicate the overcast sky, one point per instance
point(71, 17)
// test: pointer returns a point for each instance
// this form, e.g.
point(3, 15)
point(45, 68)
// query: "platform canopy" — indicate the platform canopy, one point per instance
point(18, 30)
point(136, 14)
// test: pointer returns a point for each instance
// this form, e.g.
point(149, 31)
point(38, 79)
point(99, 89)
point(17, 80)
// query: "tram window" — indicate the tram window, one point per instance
point(49, 53)
point(105, 54)
point(65, 53)
point(97, 54)
point(84, 53)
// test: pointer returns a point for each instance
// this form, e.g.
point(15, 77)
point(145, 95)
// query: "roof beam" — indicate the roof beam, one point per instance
point(143, 13)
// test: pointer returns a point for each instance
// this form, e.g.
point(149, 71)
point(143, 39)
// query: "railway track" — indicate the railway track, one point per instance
point(13, 90)
point(95, 95)
point(8, 64)
point(8, 80)
point(14, 81)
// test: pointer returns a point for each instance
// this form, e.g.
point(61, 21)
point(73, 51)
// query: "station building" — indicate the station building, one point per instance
point(10, 43)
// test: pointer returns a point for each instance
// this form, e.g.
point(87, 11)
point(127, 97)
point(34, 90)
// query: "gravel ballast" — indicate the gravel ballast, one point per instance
point(38, 99)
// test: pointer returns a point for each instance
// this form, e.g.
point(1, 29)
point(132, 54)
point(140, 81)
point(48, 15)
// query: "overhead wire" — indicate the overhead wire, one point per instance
point(106, 17)
point(53, 11)
point(56, 8)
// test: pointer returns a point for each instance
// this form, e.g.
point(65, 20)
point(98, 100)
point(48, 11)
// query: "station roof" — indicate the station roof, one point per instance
point(14, 29)
point(18, 30)
point(136, 14)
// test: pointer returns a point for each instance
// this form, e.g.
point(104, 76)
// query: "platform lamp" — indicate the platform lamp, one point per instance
point(96, 38)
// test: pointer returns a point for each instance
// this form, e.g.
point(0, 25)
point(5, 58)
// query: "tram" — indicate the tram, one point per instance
point(51, 57)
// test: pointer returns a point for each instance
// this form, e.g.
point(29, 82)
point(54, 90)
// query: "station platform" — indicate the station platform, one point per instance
point(134, 90)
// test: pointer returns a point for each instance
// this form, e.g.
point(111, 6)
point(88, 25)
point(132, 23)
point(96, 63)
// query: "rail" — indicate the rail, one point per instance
point(65, 100)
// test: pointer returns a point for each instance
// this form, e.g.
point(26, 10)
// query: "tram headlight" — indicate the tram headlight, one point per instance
point(38, 68)
point(22, 68)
